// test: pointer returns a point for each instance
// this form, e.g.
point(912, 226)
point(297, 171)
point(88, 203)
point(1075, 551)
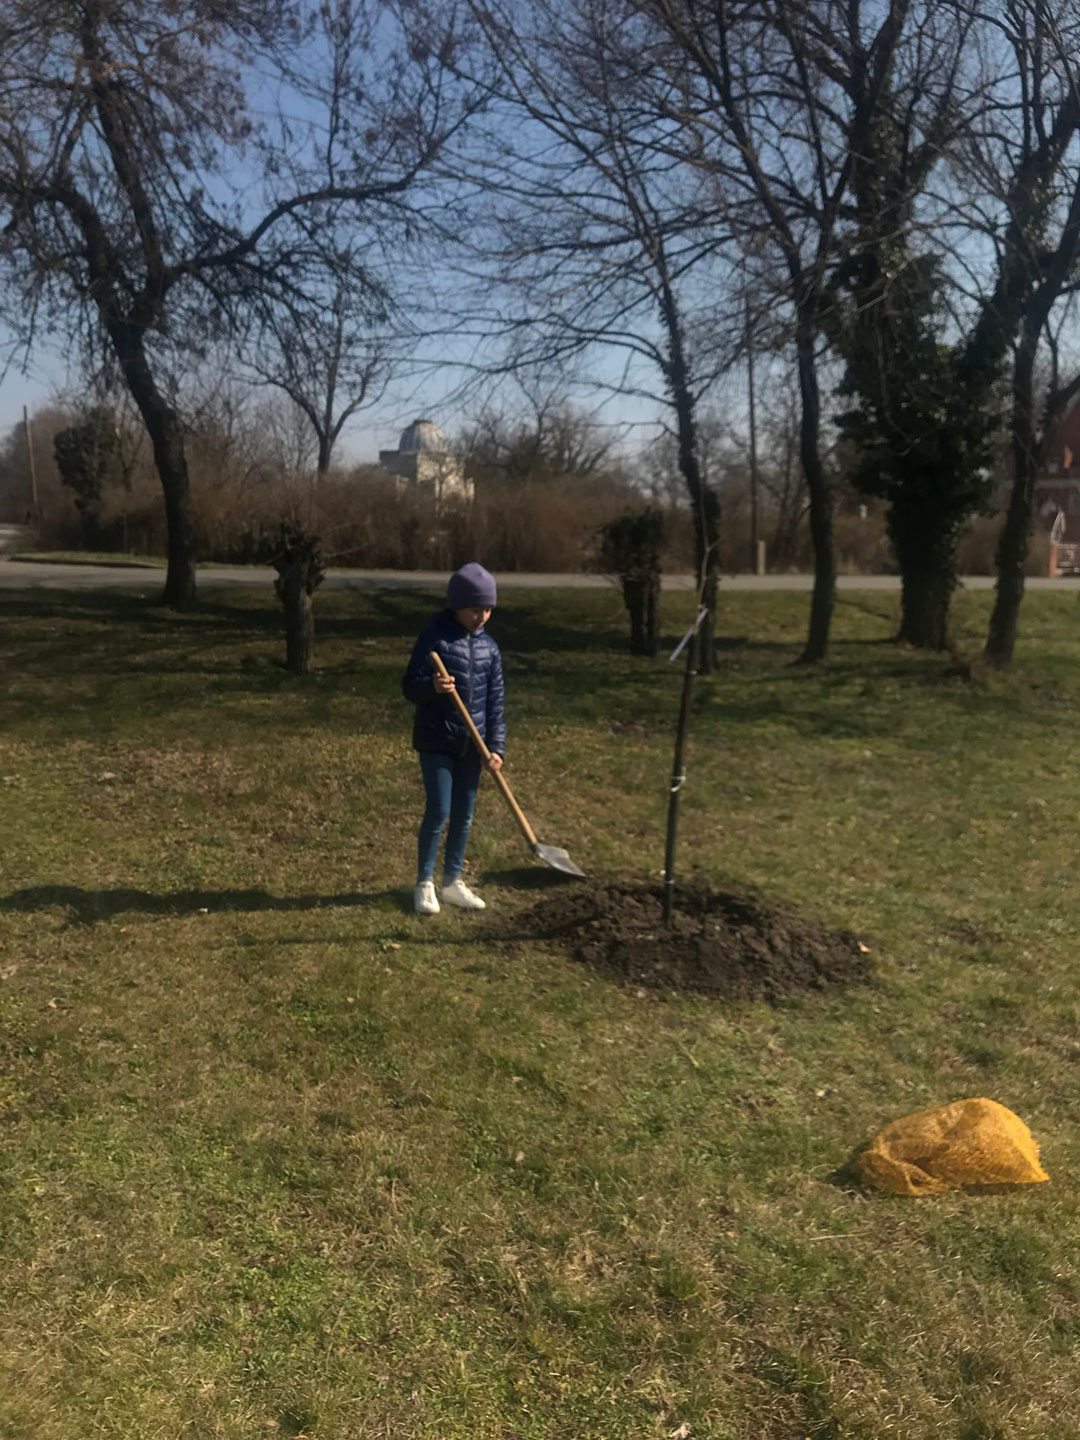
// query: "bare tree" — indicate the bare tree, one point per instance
point(929, 331)
point(1046, 44)
point(1031, 427)
point(776, 101)
point(140, 191)
point(547, 438)
point(780, 475)
point(328, 350)
point(604, 243)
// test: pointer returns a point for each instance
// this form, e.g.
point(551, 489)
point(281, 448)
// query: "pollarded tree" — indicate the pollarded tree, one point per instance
point(298, 560)
point(141, 192)
point(90, 456)
point(631, 546)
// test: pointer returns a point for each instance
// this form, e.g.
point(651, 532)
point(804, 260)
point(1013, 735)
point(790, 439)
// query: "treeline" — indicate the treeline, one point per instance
point(538, 506)
point(545, 488)
point(880, 200)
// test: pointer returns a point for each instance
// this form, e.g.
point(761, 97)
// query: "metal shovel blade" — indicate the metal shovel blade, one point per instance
point(558, 859)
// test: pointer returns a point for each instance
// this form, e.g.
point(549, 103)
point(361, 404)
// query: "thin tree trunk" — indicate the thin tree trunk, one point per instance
point(706, 512)
point(652, 616)
point(678, 777)
point(167, 438)
point(710, 582)
point(1013, 545)
point(705, 506)
point(821, 508)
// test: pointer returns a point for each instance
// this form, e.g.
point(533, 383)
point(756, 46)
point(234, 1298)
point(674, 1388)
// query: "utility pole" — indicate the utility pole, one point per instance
point(755, 565)
point(33, 468)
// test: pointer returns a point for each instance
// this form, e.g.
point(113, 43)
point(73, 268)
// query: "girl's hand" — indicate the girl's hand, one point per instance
point(444, 684)
point(494, 763)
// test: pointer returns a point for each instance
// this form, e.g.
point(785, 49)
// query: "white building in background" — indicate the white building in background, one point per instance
point(423, 459)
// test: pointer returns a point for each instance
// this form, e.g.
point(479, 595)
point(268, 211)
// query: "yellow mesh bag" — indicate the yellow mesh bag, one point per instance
point(970, 1142)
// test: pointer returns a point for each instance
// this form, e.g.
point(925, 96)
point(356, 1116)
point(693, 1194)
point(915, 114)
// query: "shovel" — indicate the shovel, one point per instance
point(552, 855)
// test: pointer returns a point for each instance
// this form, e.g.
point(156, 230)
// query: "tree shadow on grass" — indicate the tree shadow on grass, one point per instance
point(89, 907)
point(848, 699)
point(523, 627)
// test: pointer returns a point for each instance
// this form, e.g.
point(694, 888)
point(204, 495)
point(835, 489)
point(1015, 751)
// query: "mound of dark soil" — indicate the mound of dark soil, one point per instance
point(719, 943)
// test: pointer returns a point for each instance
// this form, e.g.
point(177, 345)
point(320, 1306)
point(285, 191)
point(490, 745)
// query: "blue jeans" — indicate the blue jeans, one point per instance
point(450, 782)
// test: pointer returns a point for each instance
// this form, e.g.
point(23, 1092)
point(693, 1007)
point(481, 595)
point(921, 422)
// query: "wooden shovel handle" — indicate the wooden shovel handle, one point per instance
point(478, 741)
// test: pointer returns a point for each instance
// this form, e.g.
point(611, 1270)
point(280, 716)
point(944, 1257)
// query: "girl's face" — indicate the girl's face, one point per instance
point(473, 616)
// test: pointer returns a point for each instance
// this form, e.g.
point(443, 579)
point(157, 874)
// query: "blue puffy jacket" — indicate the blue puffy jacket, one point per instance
point(473, 658)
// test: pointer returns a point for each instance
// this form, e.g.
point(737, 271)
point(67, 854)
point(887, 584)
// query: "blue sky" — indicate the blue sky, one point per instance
point(432, 393)
point(33, 390)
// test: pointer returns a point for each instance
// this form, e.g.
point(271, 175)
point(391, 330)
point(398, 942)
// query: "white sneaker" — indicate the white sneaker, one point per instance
point(425, 901)
point(458, 893)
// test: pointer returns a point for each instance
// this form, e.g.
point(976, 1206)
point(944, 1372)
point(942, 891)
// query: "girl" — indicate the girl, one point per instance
point(449, 762)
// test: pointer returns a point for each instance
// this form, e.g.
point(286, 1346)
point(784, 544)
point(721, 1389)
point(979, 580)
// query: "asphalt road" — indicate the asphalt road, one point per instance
point(32, 575)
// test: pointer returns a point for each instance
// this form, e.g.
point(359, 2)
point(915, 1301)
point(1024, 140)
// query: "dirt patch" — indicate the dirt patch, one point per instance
point(720, 943)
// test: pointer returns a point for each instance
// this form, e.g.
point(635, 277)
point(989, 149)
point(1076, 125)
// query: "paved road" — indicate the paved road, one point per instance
point(25, 575)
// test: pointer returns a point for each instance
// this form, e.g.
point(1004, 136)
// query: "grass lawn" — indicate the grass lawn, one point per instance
point(278, 1158)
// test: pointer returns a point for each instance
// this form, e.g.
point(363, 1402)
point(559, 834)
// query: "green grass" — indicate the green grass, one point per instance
point(278, 1158)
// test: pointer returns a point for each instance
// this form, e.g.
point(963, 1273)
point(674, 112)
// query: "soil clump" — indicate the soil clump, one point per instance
point(720, 942)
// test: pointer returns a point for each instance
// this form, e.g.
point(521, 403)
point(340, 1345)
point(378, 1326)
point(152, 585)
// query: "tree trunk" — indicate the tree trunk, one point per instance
point(704, 503)
point(821, 509)
point(641, 594)
point(299, 619)
point(89, 522)
point(300, 573)
point(678, 777)
point(706, 512)
point(633, 590)
point(1013, 545)
point(709, 550)
point(924, 605)
point(167, 438)
point(652, 617)
point(326, 451)
point(924, 539)
point(171, 464)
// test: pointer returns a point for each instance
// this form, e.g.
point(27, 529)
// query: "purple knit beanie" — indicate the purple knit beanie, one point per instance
point(469, 586)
